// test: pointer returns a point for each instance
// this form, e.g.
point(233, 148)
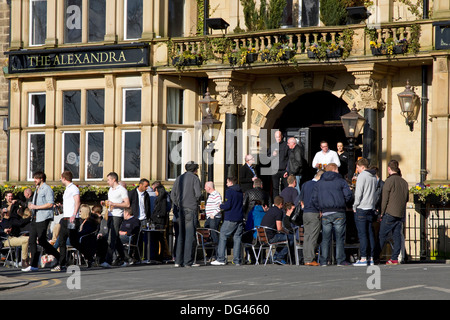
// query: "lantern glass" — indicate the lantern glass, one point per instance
point(352, 123)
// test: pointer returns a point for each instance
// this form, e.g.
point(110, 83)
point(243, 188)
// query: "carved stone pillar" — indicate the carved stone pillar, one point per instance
point(229, 88)
point(368, 77)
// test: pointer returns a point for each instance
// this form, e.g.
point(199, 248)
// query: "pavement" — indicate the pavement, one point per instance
point(10, 283)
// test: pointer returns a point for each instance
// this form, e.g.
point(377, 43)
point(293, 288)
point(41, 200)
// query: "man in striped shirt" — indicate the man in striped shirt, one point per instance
point(212, 210)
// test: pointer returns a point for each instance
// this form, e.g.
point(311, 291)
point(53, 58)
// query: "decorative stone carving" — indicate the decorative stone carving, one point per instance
point(229, 96)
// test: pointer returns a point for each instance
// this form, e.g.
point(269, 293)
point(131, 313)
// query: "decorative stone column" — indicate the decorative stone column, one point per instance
point(368, 77)
point(229, 88)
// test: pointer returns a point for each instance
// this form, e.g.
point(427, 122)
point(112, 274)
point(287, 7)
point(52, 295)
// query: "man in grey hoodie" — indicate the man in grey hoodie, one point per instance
point(364, 208)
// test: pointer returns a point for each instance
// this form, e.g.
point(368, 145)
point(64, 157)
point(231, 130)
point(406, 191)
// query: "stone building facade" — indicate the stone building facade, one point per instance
point(95, 88)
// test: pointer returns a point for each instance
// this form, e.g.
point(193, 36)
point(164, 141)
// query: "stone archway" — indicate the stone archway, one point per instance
point(268, 103)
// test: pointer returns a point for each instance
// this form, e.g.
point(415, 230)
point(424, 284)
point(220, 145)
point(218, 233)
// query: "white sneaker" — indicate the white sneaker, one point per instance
point(105, 265)
point(30, 269)
point(125, 264)
point(217, 263)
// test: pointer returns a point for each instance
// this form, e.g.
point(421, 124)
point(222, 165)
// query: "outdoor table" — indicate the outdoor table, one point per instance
point(149, 231)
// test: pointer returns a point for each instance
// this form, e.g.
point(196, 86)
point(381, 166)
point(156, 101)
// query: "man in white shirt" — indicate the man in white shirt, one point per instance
point(213, 211)
point(70, 221)
point(322, 158)
point(117, 201)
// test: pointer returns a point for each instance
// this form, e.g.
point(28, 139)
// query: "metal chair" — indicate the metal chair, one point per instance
point(205, 240)
point(298, 242)
point(265, 243)
point(12, 257)
point(134, 244)
point(246, 243)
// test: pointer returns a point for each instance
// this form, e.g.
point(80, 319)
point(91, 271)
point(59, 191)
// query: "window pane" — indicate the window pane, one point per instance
point(174, 145)
point(38, 22)
point(132, 154)
point(73, 22)
point(36, 155)
point(95, 106)
point(132, 105)
point(310, 13)
point(133, 26)
point(72, 107)
point(97, 20)
point(94, 155)
point(72, 153)
point(174, 106)
point(176, 13)
point(37, 109)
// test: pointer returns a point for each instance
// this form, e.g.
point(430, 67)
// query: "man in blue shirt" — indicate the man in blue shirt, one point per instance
point(233, 223)
point(42, 214)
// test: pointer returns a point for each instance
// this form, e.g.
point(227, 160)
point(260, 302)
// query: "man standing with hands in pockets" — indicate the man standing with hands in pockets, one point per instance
point(70, 221)
point(117, 201)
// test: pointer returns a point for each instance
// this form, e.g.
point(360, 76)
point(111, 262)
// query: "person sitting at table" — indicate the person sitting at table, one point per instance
point(129, 229)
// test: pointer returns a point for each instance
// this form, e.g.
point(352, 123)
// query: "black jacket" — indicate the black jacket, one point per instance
point(254, 197)
point(159, 215)
point(296, 162)
point(133, 195)
point(245, 178)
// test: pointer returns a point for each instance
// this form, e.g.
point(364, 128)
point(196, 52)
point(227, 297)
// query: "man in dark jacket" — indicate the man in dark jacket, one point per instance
point(232, 225)
point(185, 194)
point(255, 196)
point(279, 152)
point(295, 162)
point(395, 195)
point(331, 194)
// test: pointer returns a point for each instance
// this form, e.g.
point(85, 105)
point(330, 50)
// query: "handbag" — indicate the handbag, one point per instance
point(48, 261)
point(297, 216)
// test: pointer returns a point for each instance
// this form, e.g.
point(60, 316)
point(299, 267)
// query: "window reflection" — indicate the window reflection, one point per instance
point(72, 153)
point(95, 106)
point(132, 105)
point(37, 109)
point(73, 21)
point(133, 26)
point(94, 155)
point(36, 153)
point(38, 22)
point(131, 154)
point(72, 107)
point(97, 20)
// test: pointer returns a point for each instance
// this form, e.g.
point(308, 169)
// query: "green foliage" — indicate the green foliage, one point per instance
point(268, 16)
point(333, 12)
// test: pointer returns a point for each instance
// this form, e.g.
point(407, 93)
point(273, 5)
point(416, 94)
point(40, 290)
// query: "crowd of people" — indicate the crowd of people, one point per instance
point(103, 233)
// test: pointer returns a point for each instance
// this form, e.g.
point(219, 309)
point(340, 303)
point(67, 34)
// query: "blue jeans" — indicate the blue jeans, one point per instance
point(230, 228)
point(364, 224)
point(334, 221)
point(282, 252)
point(394, 224)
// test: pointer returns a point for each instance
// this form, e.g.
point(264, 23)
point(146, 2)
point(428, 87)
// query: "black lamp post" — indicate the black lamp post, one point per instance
point(352, 122)
point(409, 104)
point(209, 106)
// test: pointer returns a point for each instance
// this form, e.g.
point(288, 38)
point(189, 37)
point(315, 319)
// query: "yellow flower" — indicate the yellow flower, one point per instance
point(6, 186)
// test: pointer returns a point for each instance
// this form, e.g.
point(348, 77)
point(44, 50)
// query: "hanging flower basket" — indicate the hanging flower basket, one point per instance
point(334, 54)
point(252, 57)
point(311, 54)
point(287, 55)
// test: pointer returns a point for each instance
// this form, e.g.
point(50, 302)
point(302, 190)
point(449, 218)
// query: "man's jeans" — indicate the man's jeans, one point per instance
point(364, 224)
point(394, 224)
point(334, 221)
point(282, 252)
point(186, 237)
point(230, 228)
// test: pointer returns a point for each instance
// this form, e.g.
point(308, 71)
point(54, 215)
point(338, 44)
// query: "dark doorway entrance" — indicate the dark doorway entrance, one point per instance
point(320, 112)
